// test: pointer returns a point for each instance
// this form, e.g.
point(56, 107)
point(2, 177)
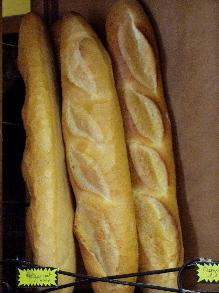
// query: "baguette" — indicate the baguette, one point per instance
point(96, 156)
point(49, 218)
point(133, 49)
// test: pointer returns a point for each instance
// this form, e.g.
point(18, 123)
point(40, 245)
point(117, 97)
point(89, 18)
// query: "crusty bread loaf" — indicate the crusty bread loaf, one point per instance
point(50, 215)
point(134, 54)
point(96, 156)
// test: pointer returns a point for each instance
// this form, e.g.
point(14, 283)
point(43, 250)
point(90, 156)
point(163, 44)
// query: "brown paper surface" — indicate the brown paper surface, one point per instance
point(188, 36)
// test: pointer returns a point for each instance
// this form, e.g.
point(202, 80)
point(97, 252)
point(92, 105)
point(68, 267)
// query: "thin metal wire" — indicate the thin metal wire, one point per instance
point(6, 286)
point(184, 267)
point(9, 45)
point(124, 275)
point(112, 281)
point(115, 278)
point(11, 124)
point(138, 274)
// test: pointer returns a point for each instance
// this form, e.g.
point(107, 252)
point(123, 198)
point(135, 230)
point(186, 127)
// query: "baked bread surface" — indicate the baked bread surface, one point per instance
point(49, 219)
point(96, 156)
point(134, 55)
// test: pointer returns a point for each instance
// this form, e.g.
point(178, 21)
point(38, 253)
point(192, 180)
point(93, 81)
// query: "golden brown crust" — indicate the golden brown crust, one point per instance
point(133, 49)
point(50, 215)
point(96, 156)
